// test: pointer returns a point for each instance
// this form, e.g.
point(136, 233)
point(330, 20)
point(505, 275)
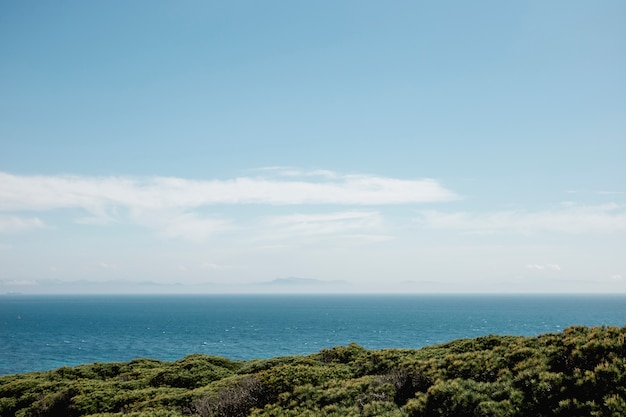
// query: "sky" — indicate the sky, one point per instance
point(329, 146)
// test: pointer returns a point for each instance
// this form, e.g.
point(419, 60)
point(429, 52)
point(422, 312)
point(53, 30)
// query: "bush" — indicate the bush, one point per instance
point(236, 401)
point(194, 371)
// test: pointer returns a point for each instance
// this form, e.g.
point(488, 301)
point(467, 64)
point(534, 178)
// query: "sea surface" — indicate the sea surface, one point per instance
point(46, 332)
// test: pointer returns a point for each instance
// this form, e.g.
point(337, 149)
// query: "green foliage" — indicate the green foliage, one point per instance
point(194, 371)
point(342, 354)
point(580, 372)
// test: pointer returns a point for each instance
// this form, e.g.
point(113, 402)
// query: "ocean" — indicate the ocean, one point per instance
point(46, 332)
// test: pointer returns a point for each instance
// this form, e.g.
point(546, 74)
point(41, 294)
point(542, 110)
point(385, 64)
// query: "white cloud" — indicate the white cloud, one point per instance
point(18, 283)
point(99, 194)
point(538, 267)
point(331, 223)
point(14, 224)
point(107, 265)
point(189, 226)
point(215, 266)
point(169, 205)
point(360, 227)
point(609, 218)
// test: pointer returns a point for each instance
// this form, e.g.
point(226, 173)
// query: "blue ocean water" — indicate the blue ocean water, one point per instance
point(46, 332)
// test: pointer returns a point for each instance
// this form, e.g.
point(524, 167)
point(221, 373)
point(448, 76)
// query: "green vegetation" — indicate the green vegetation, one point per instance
point(580, 372)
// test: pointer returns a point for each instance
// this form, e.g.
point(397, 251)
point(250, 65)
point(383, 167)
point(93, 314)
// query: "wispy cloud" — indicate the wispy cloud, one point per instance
point(106, 265)
point(359, 226)
point(316, 224)
point(190, 226)
point(173, 206)
point(541, 267)
point(217, 266)
point(158, 193)
point(13, 224)
point(602, 219)
point(18, 283)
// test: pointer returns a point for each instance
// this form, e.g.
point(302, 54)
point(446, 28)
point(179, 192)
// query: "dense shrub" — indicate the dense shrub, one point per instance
point(406, 383)
point(234, 401)
point(194, 371)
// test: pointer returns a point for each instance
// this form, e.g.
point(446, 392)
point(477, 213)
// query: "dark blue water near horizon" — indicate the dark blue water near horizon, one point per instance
point(46, 332)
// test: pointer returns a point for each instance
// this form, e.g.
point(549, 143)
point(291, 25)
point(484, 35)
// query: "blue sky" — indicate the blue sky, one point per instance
point(153, 146)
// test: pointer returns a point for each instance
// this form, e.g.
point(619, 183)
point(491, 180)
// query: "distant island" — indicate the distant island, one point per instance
point(579, 372)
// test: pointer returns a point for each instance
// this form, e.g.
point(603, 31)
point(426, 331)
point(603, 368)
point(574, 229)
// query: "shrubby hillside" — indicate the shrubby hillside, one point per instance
point(579, 372)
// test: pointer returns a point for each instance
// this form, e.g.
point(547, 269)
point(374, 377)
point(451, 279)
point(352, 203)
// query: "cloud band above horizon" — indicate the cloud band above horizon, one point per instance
point(20, 192)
